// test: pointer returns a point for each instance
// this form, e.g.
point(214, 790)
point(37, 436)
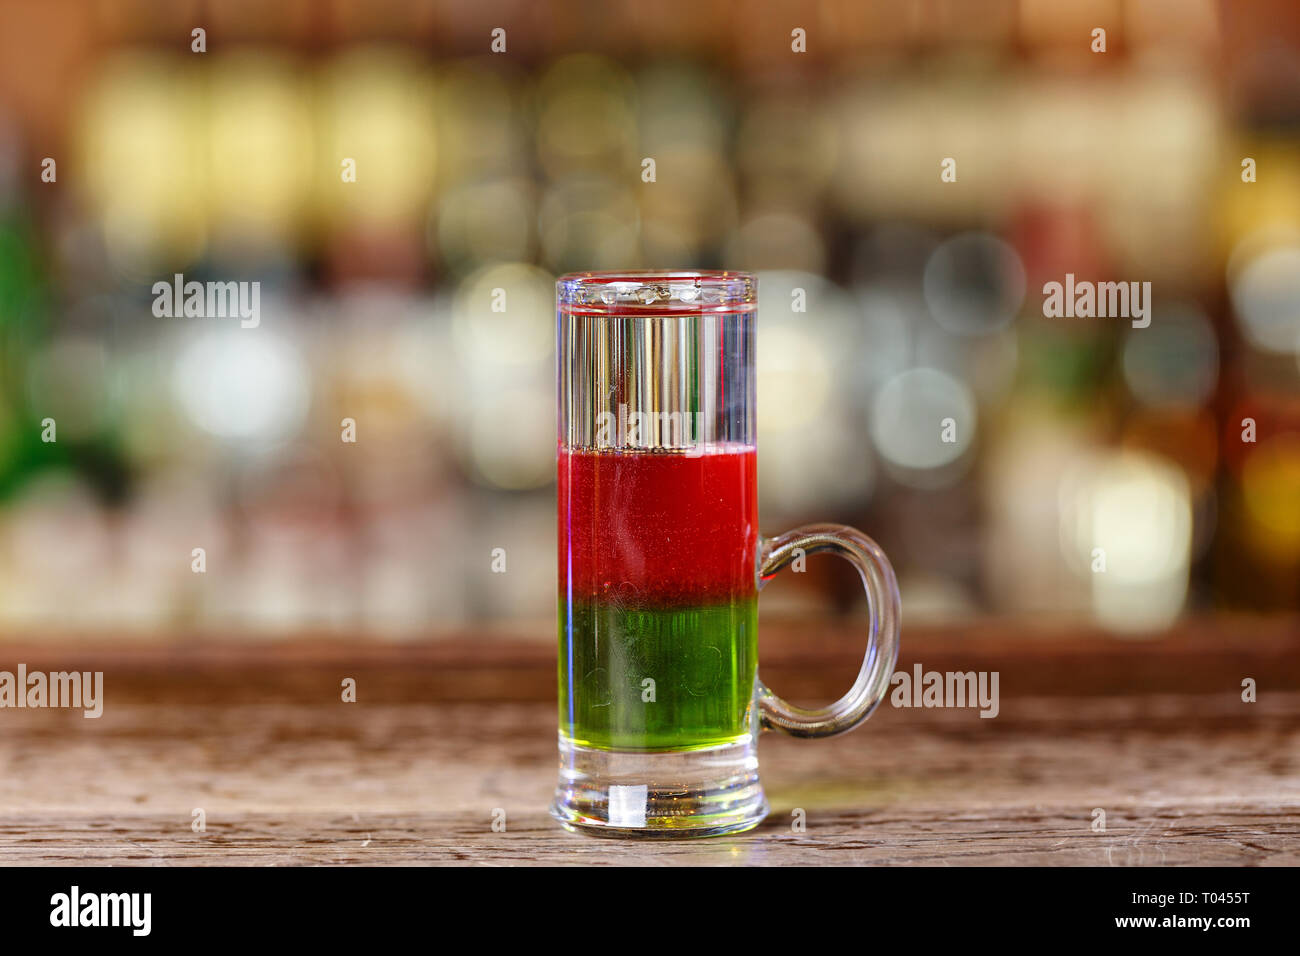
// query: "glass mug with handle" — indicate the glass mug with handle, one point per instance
point(660, 561)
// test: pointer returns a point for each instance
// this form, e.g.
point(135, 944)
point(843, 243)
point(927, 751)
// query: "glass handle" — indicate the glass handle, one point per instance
point(885, 621)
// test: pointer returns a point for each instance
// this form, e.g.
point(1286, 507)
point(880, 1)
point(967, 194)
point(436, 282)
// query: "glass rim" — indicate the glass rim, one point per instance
point(657, 290)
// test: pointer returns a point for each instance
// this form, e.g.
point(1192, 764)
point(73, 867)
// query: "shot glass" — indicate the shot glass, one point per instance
point(661, 561)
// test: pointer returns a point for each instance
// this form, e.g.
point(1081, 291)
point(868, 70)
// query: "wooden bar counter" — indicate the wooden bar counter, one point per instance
point(447, 733)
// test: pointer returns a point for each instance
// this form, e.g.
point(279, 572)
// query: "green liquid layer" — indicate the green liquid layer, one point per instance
point(702, 661)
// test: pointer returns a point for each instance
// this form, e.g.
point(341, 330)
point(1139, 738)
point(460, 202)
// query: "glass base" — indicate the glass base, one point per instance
point(691, 793)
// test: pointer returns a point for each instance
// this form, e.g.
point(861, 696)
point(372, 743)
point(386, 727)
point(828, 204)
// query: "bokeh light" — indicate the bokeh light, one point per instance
point(1264, 280)
point(1126, 524)
point(243, 384)
point(1175, 361)
point(974, 284)
point(922, 424)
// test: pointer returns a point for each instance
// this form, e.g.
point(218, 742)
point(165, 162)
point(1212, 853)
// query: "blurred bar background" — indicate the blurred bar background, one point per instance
point(479, 172)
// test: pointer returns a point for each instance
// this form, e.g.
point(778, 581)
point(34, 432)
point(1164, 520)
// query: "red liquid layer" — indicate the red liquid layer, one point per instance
point(654, 529)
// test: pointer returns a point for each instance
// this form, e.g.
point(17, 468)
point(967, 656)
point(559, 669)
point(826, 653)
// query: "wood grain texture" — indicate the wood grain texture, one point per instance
point(446, 731)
